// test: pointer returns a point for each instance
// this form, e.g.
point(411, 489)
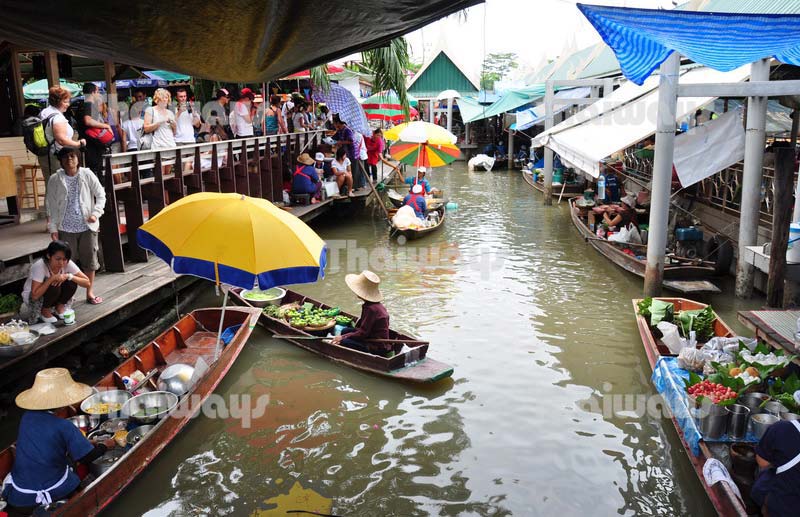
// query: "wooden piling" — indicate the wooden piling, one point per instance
point(781, 218)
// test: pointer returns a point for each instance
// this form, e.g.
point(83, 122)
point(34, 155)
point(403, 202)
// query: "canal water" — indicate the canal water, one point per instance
point(541, 333)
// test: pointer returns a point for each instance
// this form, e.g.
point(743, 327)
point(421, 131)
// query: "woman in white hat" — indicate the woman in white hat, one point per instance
point(48, 445)
point(374, 321)
point(416, 200)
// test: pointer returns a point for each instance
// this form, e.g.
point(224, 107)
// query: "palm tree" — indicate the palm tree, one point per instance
point(388, 64)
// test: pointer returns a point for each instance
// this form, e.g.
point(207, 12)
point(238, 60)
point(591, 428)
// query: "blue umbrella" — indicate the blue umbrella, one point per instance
point(341, 101)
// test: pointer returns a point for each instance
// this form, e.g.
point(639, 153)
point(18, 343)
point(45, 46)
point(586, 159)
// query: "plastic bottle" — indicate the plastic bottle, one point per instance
point(601, 188)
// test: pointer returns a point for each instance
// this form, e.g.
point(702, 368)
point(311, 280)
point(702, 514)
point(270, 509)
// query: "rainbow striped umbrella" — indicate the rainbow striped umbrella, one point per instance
point(385, 106)
point(424, 154)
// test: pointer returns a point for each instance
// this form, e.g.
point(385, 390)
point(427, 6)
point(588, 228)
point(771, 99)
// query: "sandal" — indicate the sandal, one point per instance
point(94, 301)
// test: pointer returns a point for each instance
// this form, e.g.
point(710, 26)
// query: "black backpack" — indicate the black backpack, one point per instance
point(34, 136)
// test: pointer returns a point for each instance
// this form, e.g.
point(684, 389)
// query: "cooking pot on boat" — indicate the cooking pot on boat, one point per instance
point(105, 462)
point(115, 397)
point(176, 379)
point(135, 435)
point(150, 407)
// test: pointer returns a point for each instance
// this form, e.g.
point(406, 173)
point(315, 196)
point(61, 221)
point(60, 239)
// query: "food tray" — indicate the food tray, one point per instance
point(13, 350)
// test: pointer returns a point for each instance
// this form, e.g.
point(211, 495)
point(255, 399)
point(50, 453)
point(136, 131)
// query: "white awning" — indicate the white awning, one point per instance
point(624, 118)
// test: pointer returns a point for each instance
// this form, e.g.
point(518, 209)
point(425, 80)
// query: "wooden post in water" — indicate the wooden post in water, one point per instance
point(781, 217)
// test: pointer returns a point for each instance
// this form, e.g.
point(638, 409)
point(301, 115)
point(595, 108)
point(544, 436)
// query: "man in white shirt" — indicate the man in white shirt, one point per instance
point(132, 126)
point(187, 119)
point(242, 123)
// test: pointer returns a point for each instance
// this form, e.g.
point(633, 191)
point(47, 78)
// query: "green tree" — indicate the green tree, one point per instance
point(495, 67)
point(388, 64)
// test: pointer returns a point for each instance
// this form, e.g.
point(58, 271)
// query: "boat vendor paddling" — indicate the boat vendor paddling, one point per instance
point(416, 200)
point(374, 320)
point(777, 487)
point(419, 179)
point(48, 445)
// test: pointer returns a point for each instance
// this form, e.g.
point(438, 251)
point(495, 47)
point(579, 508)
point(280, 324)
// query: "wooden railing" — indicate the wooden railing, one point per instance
point(142, 183)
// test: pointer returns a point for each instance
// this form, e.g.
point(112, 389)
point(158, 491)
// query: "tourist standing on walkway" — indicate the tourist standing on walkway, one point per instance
point(56, 129)
point(360, 168)
point(217, 117)
point(186, 118)
point(299, 119)
point(75, 202)
point(93, 116)
point(273, 116)
point(132, 127)
point(160, 121)
point(375, 146)
point(242, 115)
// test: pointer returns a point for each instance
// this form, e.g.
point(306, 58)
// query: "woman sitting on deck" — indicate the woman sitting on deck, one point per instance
point(342, 171)
point(305, 179)
point(374, 321)
point(48, 445)
point(51, 283)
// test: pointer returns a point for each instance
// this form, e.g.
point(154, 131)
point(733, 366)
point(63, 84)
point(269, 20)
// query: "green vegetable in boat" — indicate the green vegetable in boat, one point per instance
point(700, 320)
point(258, 295)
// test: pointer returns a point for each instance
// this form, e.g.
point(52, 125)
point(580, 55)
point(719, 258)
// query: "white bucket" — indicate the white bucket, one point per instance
point(793, 251)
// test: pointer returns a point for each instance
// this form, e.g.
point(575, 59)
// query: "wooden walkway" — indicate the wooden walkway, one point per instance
point(19, 245)
point(126, 294)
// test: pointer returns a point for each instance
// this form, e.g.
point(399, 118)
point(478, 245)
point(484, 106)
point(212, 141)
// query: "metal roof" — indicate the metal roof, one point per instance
point(440, 74)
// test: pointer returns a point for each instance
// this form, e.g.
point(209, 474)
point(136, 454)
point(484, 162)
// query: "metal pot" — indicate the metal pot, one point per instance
point(753, 401)
point(105, 462)
point(713, 420)
point(789, 416)
point(105, 397)
point(149, 407)
point(774, 408)
point(137, 434)
point(176, 379)
point(277, 292)
point(761, 423)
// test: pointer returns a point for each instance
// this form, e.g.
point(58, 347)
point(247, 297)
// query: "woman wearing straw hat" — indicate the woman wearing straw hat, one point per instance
point(374, 321)
point(48, 445)
point(305, 179)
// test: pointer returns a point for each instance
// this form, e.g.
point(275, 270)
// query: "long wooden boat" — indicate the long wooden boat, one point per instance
point(193, 336)
point(683, 277)
point(725, 501)
point(418, 233)
point(413, 365)
point(570, 190)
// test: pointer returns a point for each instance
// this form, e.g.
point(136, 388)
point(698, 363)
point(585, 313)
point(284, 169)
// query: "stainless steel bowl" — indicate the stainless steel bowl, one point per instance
point(149, 407)
point(176, 379)
point(761, 423)
point(774, 407)
point(273, 300)
point(105, 397)
point(789, 416)
point(82, 422)
point(135, 435)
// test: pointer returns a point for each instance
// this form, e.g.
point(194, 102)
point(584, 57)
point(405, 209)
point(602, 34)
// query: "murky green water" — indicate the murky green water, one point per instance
point(536, 324)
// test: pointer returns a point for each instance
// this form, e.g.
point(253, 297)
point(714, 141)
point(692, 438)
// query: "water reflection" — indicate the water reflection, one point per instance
point(535, 323)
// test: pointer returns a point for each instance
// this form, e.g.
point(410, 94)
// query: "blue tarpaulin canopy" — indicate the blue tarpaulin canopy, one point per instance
point(511, 100)
point(643, 38)
point(536, 115)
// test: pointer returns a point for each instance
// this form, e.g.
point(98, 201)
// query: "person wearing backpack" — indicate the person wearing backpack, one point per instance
point(92, 121)
point(57, 130)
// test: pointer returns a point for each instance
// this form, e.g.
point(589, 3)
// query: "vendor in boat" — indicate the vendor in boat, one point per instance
point(416, 200)
point(777, 487)
point(374, 321)
point(614, 216)
point(305, 178)
point(48, 445)
point(51, 284)
point(419, 179)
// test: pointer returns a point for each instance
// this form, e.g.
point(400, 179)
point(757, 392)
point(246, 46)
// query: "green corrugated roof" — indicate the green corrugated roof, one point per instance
point(604, 64)
point(442, 74)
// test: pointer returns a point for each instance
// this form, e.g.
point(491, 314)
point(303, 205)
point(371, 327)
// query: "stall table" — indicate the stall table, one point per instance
point(776, 327)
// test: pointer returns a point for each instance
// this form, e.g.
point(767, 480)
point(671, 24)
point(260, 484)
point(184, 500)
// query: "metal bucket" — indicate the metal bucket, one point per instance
point(713, 420)
point(737, 423)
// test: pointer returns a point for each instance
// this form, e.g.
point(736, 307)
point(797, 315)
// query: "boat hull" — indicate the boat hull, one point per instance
point(418, 233)
point(187, 339)
point(725, 502)
point(570, 191)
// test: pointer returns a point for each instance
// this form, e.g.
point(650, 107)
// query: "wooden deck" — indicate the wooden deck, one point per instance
point(126, 294)
point(359, 200)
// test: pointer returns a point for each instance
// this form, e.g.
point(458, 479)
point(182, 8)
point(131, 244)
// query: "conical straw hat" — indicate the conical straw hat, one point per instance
point(365, 286)
point(53, 388)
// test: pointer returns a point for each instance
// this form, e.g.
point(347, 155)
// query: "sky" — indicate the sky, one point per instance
point(533, 29)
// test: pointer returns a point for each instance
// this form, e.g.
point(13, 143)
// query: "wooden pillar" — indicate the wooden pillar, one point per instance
point(18, 100)
point(276, 165)
point(51, 67)
point(111, 88)
point(781, 217)
point(110, 239)
point(134, 214)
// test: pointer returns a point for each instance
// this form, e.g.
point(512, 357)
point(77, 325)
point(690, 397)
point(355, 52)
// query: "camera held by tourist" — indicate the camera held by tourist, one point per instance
point(187, 119)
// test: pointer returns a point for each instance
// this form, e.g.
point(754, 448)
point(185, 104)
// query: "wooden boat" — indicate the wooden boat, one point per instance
point(725, 501)
point(570, 190)
point(682, 276)
point(418, 233)
point(653, 345)
point(395, 197)
point(193, 336)
point(414, 365)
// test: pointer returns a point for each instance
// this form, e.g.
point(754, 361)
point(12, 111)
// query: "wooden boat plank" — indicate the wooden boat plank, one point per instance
point(424, 370)
point(721, 495)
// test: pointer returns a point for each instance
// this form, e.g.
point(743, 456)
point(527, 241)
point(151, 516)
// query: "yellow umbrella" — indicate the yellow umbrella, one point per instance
point(420, 132)
point(236, 240)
